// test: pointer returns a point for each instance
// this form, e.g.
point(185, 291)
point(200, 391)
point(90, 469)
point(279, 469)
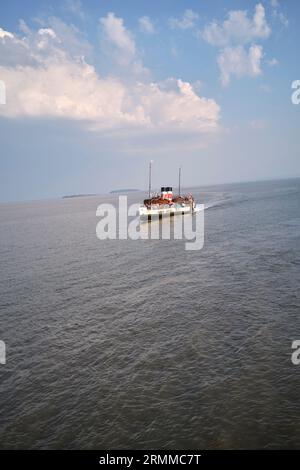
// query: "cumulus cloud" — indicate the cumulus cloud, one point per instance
point(146, 25)
point(54, 39)
point(179, 108)
point(238, 28)
point(59, 82)
point(187, 21)
point(238, 62)
point(235, 58)
point(65, 89)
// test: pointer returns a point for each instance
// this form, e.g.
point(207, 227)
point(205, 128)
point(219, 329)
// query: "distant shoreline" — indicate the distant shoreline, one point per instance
point(186, 186)
point(113, 191)
point(129, 190)
point(78, 195)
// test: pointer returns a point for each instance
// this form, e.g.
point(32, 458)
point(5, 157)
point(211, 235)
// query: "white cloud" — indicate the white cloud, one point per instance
point(238, 28)
point(69, 90)
point(180, 108)
point(116, 34)
point(273, 62)
point(14, 51)
point(278, 15)
point(74, 7)
point(54, 39)
point(23, 27)
point(238, 62)
point(69, 38)
point(146, 25)
point(75, 91)
point(60, 83)
point(47, 32)
point(5, 34)
point(187, 21)
point(119, 46)
point(283, 19)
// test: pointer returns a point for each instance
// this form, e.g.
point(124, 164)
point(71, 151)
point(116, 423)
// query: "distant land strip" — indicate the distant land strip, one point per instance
point(126, 190)
point(78, 195)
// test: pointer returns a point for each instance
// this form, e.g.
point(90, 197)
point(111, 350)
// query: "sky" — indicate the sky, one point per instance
point(91, 91)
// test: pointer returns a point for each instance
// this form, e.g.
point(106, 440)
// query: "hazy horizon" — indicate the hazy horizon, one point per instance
point(145, 190)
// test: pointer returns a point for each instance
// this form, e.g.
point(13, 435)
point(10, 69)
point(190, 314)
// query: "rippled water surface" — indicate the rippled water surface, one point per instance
point(141, 344)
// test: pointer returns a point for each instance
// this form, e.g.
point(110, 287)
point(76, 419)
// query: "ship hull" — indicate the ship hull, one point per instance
point(158, 213)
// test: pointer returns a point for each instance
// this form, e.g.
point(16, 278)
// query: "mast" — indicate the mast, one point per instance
point(150, 171)
point(179, 180)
